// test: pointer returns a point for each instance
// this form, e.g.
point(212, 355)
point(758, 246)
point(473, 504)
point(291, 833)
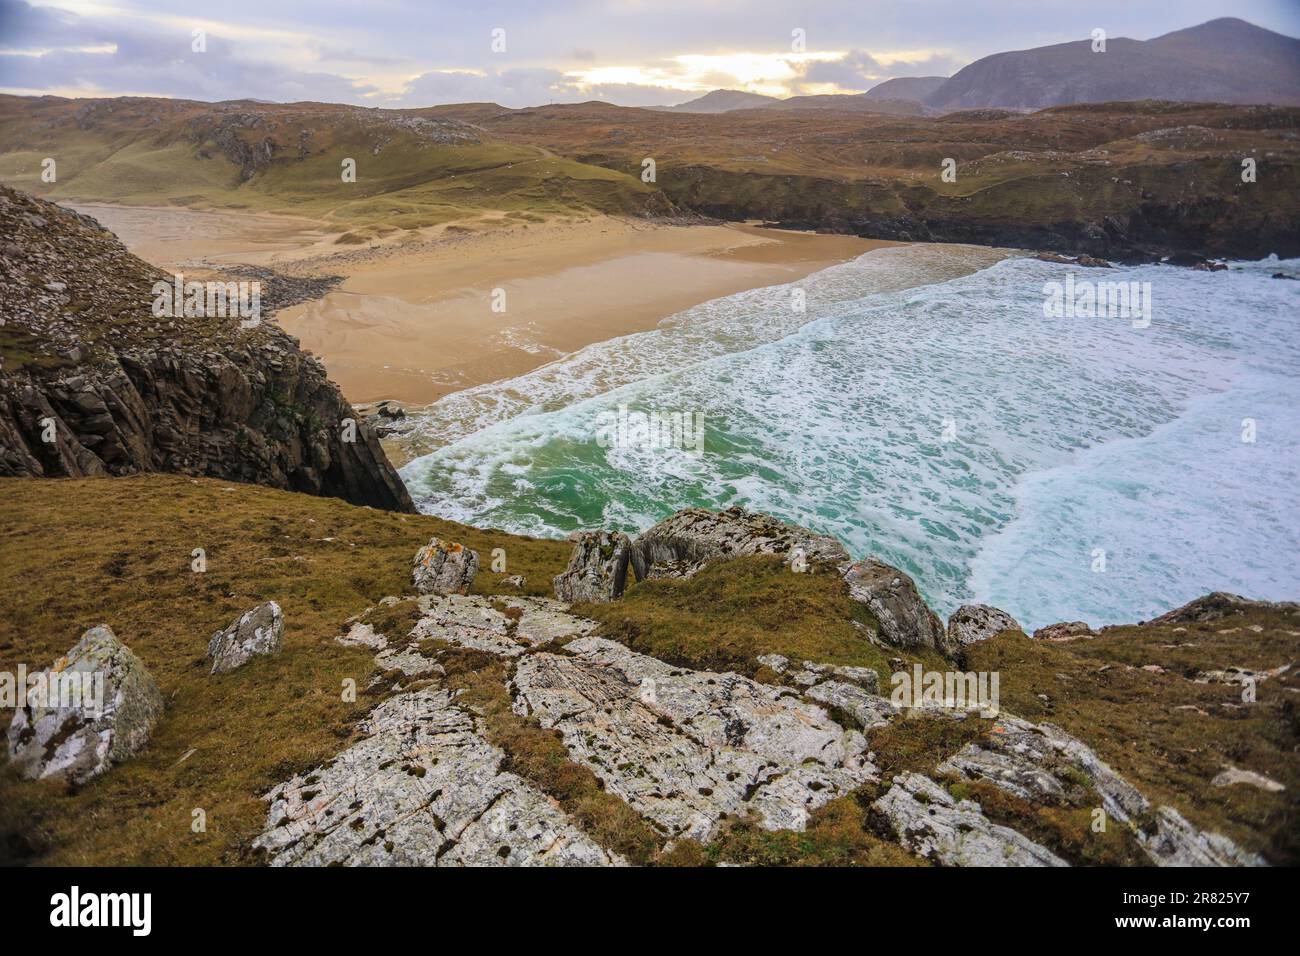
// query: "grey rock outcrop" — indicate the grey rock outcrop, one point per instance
point(683, 543)
point(597, 568)
point(1064, 631)
point(972, 623)
point(83, 739)
point(893, 599)
point(422, 788)
point(934, 825)
point(1040, 762)
point(444, 567)
point(506, 626)
point(1219, 605)
point(685, 748)
point(258, 631)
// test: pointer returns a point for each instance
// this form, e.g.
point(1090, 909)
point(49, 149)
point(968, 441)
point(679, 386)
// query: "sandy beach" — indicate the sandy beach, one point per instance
point(419, 315)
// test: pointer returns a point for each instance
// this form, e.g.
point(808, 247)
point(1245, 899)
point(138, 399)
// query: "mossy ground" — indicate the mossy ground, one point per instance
point(74, 553)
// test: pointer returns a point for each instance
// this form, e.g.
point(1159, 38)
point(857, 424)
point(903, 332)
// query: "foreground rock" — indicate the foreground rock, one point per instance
point(423, 788)
point(78, 742)
point(444, 567)
point(934, 825)
point(256, 632)
point(1041, 763)
point(972, 623)
point(685, 748)
point(597, 569)
point(1064, 631)
point(680, 545)
point(893, 599)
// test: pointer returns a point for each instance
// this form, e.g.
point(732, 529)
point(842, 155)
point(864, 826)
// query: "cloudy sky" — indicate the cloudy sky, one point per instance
point(632, 52)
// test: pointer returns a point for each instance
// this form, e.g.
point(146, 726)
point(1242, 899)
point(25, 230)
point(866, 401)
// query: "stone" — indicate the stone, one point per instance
point(930, 822)
point(597, 568)
point(444, 567)
point(893, 599)
point(1065, 631)
point(422, 788)
point(972, 623)
point(256, 631)
point(685, 748)
point(870, 710)
point(683, 543)
point(1233, 776)
point(77, 742)
point(505, 626)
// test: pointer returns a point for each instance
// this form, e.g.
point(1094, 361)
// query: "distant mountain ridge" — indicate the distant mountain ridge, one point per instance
point(1221, 61)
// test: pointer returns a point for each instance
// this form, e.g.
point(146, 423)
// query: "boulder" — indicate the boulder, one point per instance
point(119, 705)
point(257, 631)
point(683, 543)
point(972, 623)
point(444, 567)
point(891, 596)
point(597, 568)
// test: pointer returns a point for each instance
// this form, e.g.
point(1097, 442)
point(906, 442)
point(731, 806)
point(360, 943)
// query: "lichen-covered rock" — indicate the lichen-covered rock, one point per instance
point(597, 568)
point(256, 631)
point(972, 623)
point(423, 788)
point(934, 825)
point(893, 599)
point(1065, 631)
point(685, 748)
point(681, 544)
point(506, 626)
point(1041, 762)
point(118, 707)
point(869, 709)
point(444, 567)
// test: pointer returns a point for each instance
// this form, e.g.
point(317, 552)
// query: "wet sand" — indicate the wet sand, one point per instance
point(419, 315)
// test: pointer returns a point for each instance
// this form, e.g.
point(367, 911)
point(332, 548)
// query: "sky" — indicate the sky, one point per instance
point(406, 53)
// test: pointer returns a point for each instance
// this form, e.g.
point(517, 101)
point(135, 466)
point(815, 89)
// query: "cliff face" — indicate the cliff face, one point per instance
point(93, 383)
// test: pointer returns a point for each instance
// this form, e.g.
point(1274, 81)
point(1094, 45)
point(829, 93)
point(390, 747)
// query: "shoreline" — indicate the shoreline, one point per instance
point(422, 314)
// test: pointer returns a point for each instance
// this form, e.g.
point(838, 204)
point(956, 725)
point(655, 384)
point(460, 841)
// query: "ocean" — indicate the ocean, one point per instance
point(930, 406)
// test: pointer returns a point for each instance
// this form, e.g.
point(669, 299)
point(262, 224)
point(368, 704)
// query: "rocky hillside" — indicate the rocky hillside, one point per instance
point(724, 693)
point(92, 382)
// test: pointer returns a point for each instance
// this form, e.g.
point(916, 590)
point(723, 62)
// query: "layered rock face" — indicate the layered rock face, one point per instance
point(892, 596)
point(110, 719)
point(597, 569)
point(93, 383)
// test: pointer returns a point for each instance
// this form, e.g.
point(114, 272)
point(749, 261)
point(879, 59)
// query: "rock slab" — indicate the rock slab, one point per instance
point(255, 632)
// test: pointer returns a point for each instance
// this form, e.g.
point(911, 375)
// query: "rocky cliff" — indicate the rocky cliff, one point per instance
point(92, 382)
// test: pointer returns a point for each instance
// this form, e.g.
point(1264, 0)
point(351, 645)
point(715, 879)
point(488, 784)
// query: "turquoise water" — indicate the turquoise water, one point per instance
point(950, 428)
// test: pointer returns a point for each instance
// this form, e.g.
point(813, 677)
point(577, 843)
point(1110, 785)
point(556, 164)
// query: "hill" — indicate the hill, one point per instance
point(1222, 61)
point(915, 88)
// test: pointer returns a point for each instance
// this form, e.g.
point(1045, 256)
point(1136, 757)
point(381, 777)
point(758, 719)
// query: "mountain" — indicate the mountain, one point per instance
point(1222, 61)
point(906, 88)
point(851, 102)
point(722, 101)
